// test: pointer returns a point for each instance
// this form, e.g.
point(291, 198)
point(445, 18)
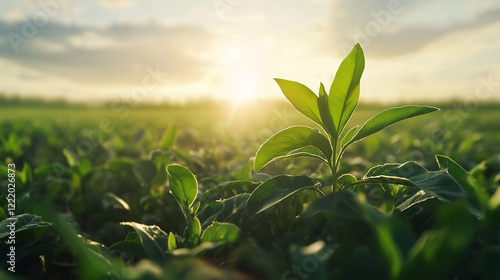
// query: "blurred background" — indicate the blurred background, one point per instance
point(97, 97)
point(155, 51)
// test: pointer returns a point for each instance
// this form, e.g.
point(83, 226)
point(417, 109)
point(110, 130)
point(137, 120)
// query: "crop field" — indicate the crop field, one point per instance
point(251, 191)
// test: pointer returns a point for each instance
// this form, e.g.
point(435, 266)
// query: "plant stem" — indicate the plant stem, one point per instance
point(320, 191)
point(333, 168)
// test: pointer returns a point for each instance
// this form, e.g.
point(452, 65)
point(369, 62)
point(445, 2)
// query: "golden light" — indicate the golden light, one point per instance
point(240, 80)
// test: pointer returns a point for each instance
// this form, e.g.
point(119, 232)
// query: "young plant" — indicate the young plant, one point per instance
point(331, 111)
point(158, 245)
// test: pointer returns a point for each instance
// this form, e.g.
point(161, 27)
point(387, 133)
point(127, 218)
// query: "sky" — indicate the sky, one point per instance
point(102, 50)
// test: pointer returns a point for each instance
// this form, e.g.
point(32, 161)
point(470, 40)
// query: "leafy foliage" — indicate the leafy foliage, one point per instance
point(180, 201)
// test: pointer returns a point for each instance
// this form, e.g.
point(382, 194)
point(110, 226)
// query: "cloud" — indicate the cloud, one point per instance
point(115, 3)
point(14, 15)
point(113, 55)
point(390, 28)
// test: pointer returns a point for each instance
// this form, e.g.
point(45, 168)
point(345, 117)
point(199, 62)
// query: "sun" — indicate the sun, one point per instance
point(240, 86)
point(244, 89)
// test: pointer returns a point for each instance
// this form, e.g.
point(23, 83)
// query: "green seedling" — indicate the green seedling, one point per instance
point(331, 111)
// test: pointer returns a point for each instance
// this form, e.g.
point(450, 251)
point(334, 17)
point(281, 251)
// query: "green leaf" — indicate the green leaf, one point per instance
point(477, 196)
point(439, 250)
point(346, 206)
point(132, 244)
point(275, 189)
point(302, 98)
point(287, 141)
point(493, 212)
point(22, 222)
point(168, 139)
point(192, 232)
point(439, 184)
point(3, 215)
point(380, 169)
point(220, 233)
point(348, 136)
point(389, 250)
point(494, 202)
point(183, 186)
point(94, 259)
point(344, 92)
point(389, 117)
point(343, 204)
point(154, 240)
point(172, 244)
point(161, 159)
point(324, 111)
point(415, 199)
point(27, 174)
point(71, 157)
point(345, 180)
point(228, 189)
point(229, 210)
point(458, 173)
point(115, 202)
point(4, 171)
point(118, 165)
point(85, 167)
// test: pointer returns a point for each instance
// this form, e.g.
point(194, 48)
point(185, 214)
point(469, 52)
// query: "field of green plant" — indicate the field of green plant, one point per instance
point(298, 190)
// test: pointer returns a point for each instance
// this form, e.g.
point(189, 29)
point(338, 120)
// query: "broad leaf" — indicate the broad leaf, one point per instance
point(439, 184)
point(380, 169)
point(348, 136)
point(192, 232)
point(439, 250)
point(477, 197)
point(344, 92)
point(389, 117)
point(22, 222)
point(132, 245)
point(228, 189)
point(302, 98)
point(347, 207)
point(183, 186)
point(154, 240)
point(345, 180)
point(288, 140)
point(229, 210)
point(94, 259)
point(220, 233)
point(118, 165)
point(308, 151)
point(458, 173)
point(274, 190)
point(415, 199)
point(324, 111)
